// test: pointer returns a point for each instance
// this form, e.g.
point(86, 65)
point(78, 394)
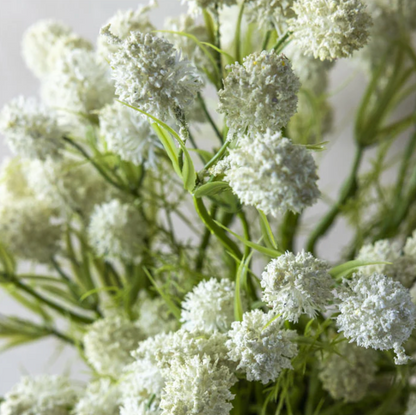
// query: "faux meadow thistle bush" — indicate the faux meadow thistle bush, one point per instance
point(159, 190)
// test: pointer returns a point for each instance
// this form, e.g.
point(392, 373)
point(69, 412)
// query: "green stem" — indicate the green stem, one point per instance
point(66, 313)
point(348, 190)
point(209, 118)
point(246, 230)
point(288, 231)
point(281, 41)
point(215, 229)
point(266, 40)
point(217, 156)
point(204, 242)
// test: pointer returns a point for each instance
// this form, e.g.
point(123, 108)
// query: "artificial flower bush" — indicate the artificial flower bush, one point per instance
point(159, 186)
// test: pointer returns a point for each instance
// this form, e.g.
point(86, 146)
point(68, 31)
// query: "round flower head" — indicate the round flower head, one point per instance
point(13, 180)
point(78, 84)
point(198, 386)
point(132, 407)
point(402, 267)
point(150, 74)
point(272, 174)
point(109, 342)
point(100, 397)
point(261, 353)
point(259, 94)
point(41, 395)
point(348, 375)
point(66, 185)
point(30, 129)
point(37, 43)
point(63, 46)
point(297, 284)
point(330, 29)
point(196, 6)
point(128, 134)
point(209, 306)
point(154, 316)
point(268, 13)
point(377, 312)
point(27, 229)
point(410, 246)
point(116, 230)
point(122, 23)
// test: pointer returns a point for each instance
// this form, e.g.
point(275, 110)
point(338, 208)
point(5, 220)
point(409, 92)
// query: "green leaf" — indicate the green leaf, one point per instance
point(318, 146)
point(211, 189)
point(266, 251)
point(96, 291)
point(241, 280)
point(188, 171)
point(223, 52)
point(340, 271)
point(172, 306)
point(266, 231)
point(169, 146)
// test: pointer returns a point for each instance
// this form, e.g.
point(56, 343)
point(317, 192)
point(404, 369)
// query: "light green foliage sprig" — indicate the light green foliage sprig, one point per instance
point(171, 238)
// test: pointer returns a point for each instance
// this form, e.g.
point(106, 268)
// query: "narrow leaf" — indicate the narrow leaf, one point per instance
point(267, 231)
point(210, 189)
point(169, 146)
point(342, 270)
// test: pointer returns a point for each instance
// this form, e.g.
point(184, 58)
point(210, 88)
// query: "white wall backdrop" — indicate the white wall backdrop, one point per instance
point(86, 17)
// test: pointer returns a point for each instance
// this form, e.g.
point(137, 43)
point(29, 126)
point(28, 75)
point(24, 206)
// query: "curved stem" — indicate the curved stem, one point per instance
point(348, 190)
point(238, 33)
point(209, 118)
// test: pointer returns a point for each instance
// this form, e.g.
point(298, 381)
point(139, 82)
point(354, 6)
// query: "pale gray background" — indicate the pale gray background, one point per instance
point(86, 17)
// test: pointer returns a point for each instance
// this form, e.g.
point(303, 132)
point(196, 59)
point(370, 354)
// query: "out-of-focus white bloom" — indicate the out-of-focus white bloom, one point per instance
point(404, 9)
point(198, 386)
point(377, 312)
point(272, 174)
point(63, 46)
point(38, 40)
point(131, 406)
point(297, 284)
point(209, 306)
point(109, 343)
point(27, 229)
point(154, 316)
point(31, 129)
point(196, 6)
point(330, 29)
point(116, 231)
point(101, 397)
point(78, 84)
point(410, 246)
point(261, 353)
point(402, 267)
point(67, 185)
point(187, 24)
point(128, 134)
point(411, 405)
point(122, 23)
point(347, 376)
point(312, 73)
point(150, 74)
point(259, 94)
point(13, 181)
point(41, 395)
point(267, 13)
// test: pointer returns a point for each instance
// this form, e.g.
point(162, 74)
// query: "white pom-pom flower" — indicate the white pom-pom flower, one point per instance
point(151, 75)
point(259, 94)
point(116, 231)
point(261, 352)
point(272, 174)
point(377, 312)
point(30, 129)
point(109, 342)
point(330, 29)
point(101, 397)
point(38, 41)
point(347, 375)
point(209, 306)
point(198, 386)
point(128, 134)
point(268, 13)
point(41, 395)
point(297, 284)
